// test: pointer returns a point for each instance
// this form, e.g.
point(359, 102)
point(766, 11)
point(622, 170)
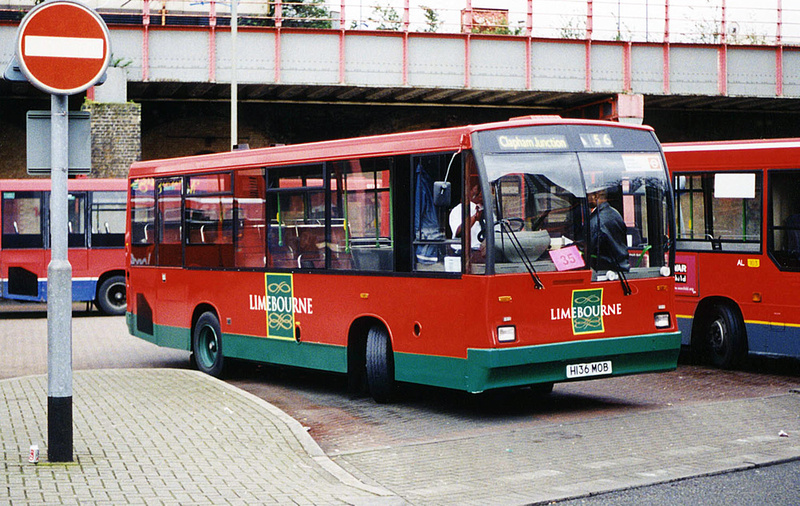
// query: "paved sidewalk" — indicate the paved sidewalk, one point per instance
point(589, 457)
point(163, 436)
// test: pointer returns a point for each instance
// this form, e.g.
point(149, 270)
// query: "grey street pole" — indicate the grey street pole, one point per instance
point(234, 83)
point(59, 293)
point(61, 69)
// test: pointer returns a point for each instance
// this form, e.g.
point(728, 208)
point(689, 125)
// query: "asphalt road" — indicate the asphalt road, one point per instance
point(777, 485)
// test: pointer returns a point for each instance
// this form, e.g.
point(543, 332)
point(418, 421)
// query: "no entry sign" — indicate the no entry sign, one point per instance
point(63, 47)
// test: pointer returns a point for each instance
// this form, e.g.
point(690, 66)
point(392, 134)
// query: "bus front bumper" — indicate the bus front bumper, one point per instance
point(486, 369)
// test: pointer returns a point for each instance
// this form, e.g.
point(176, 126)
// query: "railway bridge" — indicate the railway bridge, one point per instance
point(672, 63)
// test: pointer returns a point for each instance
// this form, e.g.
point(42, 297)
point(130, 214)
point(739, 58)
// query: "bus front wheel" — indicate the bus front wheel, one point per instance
point(723, 341)
point(207, 345)
point(111, 296)
point(380, 364)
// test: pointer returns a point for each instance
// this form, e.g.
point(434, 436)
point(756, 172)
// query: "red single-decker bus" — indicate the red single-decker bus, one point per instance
point(738, 248)
point(96, 221)
point(357, 256)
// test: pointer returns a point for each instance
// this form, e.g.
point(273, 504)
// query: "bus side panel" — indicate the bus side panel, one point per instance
point(772, 325)
point(423, 316)
point(24, 274)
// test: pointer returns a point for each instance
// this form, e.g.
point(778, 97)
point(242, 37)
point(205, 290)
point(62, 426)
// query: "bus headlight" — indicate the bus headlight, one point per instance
point(662, 320)
point(506, 334)
point(665, 271)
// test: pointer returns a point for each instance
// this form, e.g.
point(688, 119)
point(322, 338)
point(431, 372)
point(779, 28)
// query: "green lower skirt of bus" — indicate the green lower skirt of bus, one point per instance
point(483, 369)
point(258, 349)
point(486, 369)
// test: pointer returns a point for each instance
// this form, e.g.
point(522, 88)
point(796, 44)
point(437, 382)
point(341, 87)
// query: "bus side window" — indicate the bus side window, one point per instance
point(361, 203)
point(143, 221)
point(690, 210)
point(784, 225)
point(76, 219)
point(208, 219)
point(249, 199)
point(108, 219)
point(296, 217)
point(169, 247)
point(22, 220)
point(430, 222)
point(718, 211)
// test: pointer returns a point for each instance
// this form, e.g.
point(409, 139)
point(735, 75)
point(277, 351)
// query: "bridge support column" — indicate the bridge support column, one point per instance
point(116, 126)
point(628, 108)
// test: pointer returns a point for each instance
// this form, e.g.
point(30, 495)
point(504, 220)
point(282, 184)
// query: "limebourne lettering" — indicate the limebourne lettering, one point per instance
point(517, 142)
point(569, 313)
point(281, 304)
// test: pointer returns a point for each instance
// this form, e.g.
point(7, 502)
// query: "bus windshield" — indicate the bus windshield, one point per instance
point(593, 206)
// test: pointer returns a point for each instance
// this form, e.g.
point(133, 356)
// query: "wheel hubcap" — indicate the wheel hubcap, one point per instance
point(717, 335)
point(208, 343)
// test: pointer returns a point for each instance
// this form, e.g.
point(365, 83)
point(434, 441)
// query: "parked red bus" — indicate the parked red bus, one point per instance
point(340, 256)
point(738, 240)
point(96, 241)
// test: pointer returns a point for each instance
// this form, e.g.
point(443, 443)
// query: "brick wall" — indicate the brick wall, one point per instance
point(116, 137)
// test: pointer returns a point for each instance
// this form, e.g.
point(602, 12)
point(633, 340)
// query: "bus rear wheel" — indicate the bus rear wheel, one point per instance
point(723, 340)
point(111, 296)
point(207, 345)
point(380, 364)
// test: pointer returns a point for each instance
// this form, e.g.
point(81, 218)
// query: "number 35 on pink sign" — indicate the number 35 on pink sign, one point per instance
point(567, 258)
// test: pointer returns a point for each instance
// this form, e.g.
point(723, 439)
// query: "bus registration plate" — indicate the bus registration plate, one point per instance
point(590, 369)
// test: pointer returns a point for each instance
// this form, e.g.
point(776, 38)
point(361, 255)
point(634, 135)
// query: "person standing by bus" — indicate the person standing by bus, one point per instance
point(607, 233)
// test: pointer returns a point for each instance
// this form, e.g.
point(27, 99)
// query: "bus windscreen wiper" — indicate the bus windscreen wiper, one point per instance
point(505, 226)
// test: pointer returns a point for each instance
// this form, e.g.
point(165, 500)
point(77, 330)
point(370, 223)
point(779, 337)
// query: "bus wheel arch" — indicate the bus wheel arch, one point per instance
point(206, 345)
point(370, 359)
point(719, 336)
point(111, 297)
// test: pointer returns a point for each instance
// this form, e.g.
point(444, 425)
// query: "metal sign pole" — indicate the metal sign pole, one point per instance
point(59, 293)
point(234, 82)
point(60, 69)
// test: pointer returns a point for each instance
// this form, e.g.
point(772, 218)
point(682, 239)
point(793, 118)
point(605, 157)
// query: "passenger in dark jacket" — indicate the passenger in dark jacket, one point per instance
point(608, 235)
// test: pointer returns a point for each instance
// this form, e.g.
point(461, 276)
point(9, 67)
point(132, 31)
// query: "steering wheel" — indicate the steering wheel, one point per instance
point(513, 224)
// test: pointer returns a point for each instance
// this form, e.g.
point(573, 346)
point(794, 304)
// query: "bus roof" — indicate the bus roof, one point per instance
point(82, 184)
point(675, 147)
point(423, 141)
point(741, 154)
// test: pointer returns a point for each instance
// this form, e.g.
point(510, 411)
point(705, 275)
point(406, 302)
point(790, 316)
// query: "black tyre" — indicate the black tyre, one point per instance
point(207, 345)
point(111, 297)
point(722, 340)
point(380, 365)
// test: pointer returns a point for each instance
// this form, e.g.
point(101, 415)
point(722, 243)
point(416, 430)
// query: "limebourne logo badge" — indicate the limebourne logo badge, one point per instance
point(280, 306)
point(587, 311)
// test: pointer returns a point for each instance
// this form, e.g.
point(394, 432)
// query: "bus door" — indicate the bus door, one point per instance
point(170, 291)
point(22, 259)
